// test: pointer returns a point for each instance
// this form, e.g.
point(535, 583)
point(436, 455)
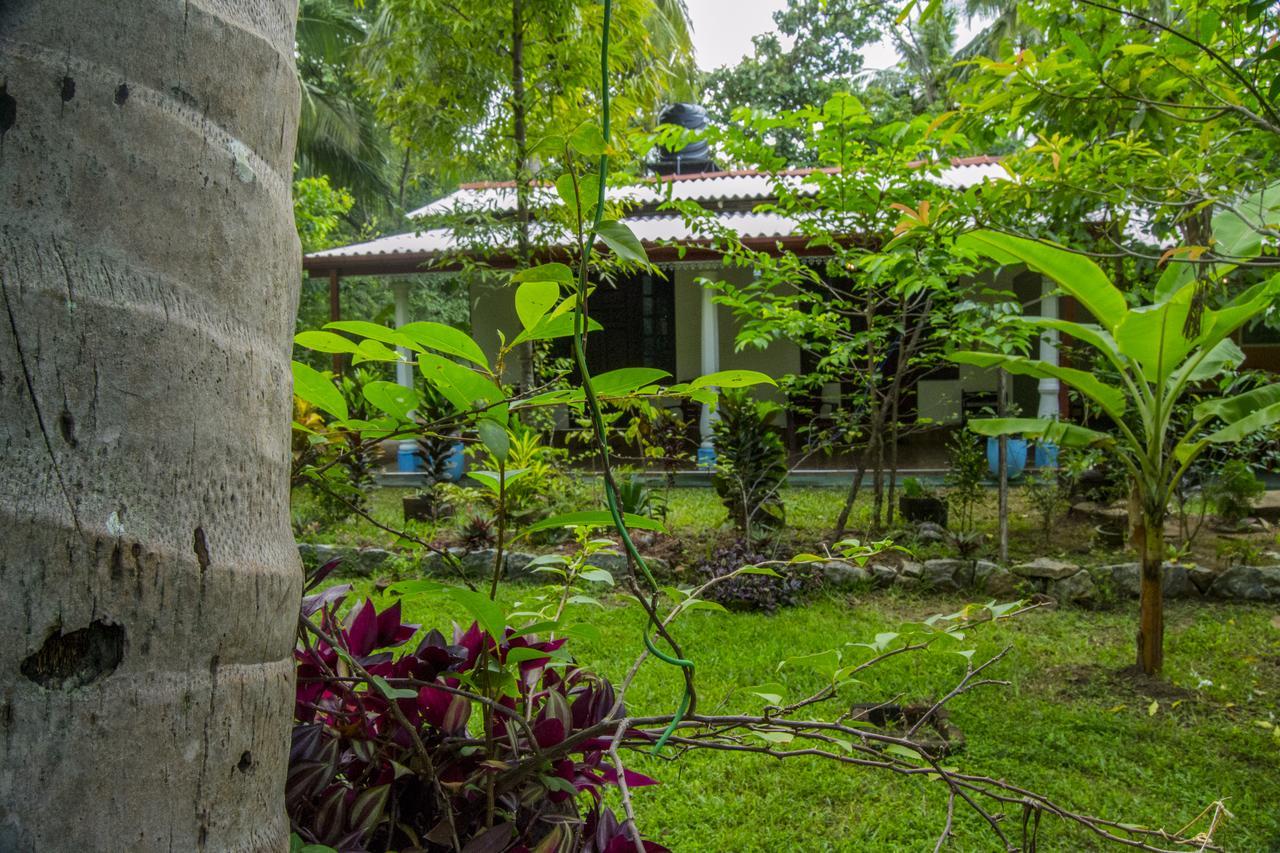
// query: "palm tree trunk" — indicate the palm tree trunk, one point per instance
point(148, 282)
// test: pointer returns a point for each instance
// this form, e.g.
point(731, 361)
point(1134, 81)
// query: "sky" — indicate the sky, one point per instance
point(722, 31)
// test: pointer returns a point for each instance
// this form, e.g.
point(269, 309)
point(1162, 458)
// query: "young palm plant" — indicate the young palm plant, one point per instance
point(1159, 357)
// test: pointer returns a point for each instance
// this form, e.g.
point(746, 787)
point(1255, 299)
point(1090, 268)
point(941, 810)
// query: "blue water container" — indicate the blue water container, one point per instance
point(1017, 460)
point(1046, 455)
point(455, 463)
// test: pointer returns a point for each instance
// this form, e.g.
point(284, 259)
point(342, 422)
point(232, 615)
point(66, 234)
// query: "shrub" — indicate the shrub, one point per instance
point(753, 591)
point(751, 462)
point(414, 766)
point(966, 478)
point(1234, 491)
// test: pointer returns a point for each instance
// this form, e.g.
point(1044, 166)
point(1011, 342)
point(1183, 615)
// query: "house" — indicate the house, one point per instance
point(667, 320)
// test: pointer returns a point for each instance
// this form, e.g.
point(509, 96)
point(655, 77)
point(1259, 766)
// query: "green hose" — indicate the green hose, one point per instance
point(593, 403)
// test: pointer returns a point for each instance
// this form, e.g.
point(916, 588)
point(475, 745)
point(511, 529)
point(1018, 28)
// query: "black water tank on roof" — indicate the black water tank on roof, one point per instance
point(695, 157)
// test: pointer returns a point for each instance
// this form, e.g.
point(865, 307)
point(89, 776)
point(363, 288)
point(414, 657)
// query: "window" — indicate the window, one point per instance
point(638, 315)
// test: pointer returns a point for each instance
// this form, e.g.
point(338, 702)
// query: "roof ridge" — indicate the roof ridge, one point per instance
point(974, 160)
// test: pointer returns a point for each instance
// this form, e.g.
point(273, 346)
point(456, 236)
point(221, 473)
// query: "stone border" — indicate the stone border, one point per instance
point(1063, 581)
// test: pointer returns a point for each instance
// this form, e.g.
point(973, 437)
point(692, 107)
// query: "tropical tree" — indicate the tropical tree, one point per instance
point(1154, 362)
point(148, 275)
point(339, 135)
point(824, 56)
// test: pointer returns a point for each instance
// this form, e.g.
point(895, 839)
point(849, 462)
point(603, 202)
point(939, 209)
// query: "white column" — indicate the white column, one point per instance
point(404, 370)
point(1047, 455)
point(1048, 388)
point(710, 364)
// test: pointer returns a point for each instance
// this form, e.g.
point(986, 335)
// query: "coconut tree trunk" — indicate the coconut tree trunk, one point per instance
point(1150, 540)
point(148, 283)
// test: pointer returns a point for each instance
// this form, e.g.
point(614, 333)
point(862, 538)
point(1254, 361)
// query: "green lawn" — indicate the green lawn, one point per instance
point(1068, 726)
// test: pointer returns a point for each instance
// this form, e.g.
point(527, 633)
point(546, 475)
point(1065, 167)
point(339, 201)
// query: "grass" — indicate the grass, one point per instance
point(1068, 725)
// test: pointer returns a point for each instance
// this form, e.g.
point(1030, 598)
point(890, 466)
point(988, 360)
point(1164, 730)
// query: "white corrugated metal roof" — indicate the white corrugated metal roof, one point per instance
point(651, 227)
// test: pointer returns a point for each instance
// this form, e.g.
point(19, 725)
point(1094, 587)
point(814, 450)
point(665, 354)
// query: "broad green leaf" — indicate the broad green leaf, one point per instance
point(593, 518)
point(492, 481)
point(318, 390)
point(1175, 277)
point(561, 396)
point(374, 331)
point(1246, 426)
point(1225, 356)
point(616, 383)
point(1074, 273)
point(732, 379)
point(414, 587)
point(325, 342)
point(483, 609)
point(495, 438)
point(445, 339)
point(1091, 334)
point(902, 751)
point(553, 326)
point(1152, 336)
point(1232, 409)
point(395, 400)
point(545, 272)
point(597, 576)
point(1237, 227)
point(587, 140)
point(1253, 302)
point(370, 350)
point(1054, 432)
point(825, 663)
point(534, 299)
point(1110, 398)
point(466, 389)
point(621, 241)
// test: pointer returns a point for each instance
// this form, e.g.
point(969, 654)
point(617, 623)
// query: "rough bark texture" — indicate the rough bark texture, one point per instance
point(148, 280)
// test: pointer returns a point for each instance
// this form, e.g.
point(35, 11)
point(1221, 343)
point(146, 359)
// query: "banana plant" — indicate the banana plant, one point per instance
point(1157, 365)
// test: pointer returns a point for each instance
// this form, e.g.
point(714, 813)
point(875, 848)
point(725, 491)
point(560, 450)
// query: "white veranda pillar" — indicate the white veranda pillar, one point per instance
point(405, 457)
point(710, 352)
point(1047, 455)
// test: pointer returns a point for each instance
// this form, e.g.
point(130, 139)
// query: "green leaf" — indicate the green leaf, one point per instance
point(445, 339)
point(1054, 432)
point(1246, 426)
point(1152, 336)
point(374, 331)
point(555, 271)
point(466, 389)
point(617, 383)
point(553, 326)
point(318, 390)
point(1109, 398)
point(495, 438)
point(414, 587)
point(597, 576)
point(758, 570)
point(621, 241)
point(395, 400)
point(483, 609)
point(1224, 357)
point(732, 379)
point(1076, 274)
point(325, 342)
point(587, 140)
point(902, 751)
point(1237, 228)
point(824, 663)
point(1090, 333)
point(1232, 409)
point(534, 299)
point(392, 692)
point(492, 481)
point(593, 518)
